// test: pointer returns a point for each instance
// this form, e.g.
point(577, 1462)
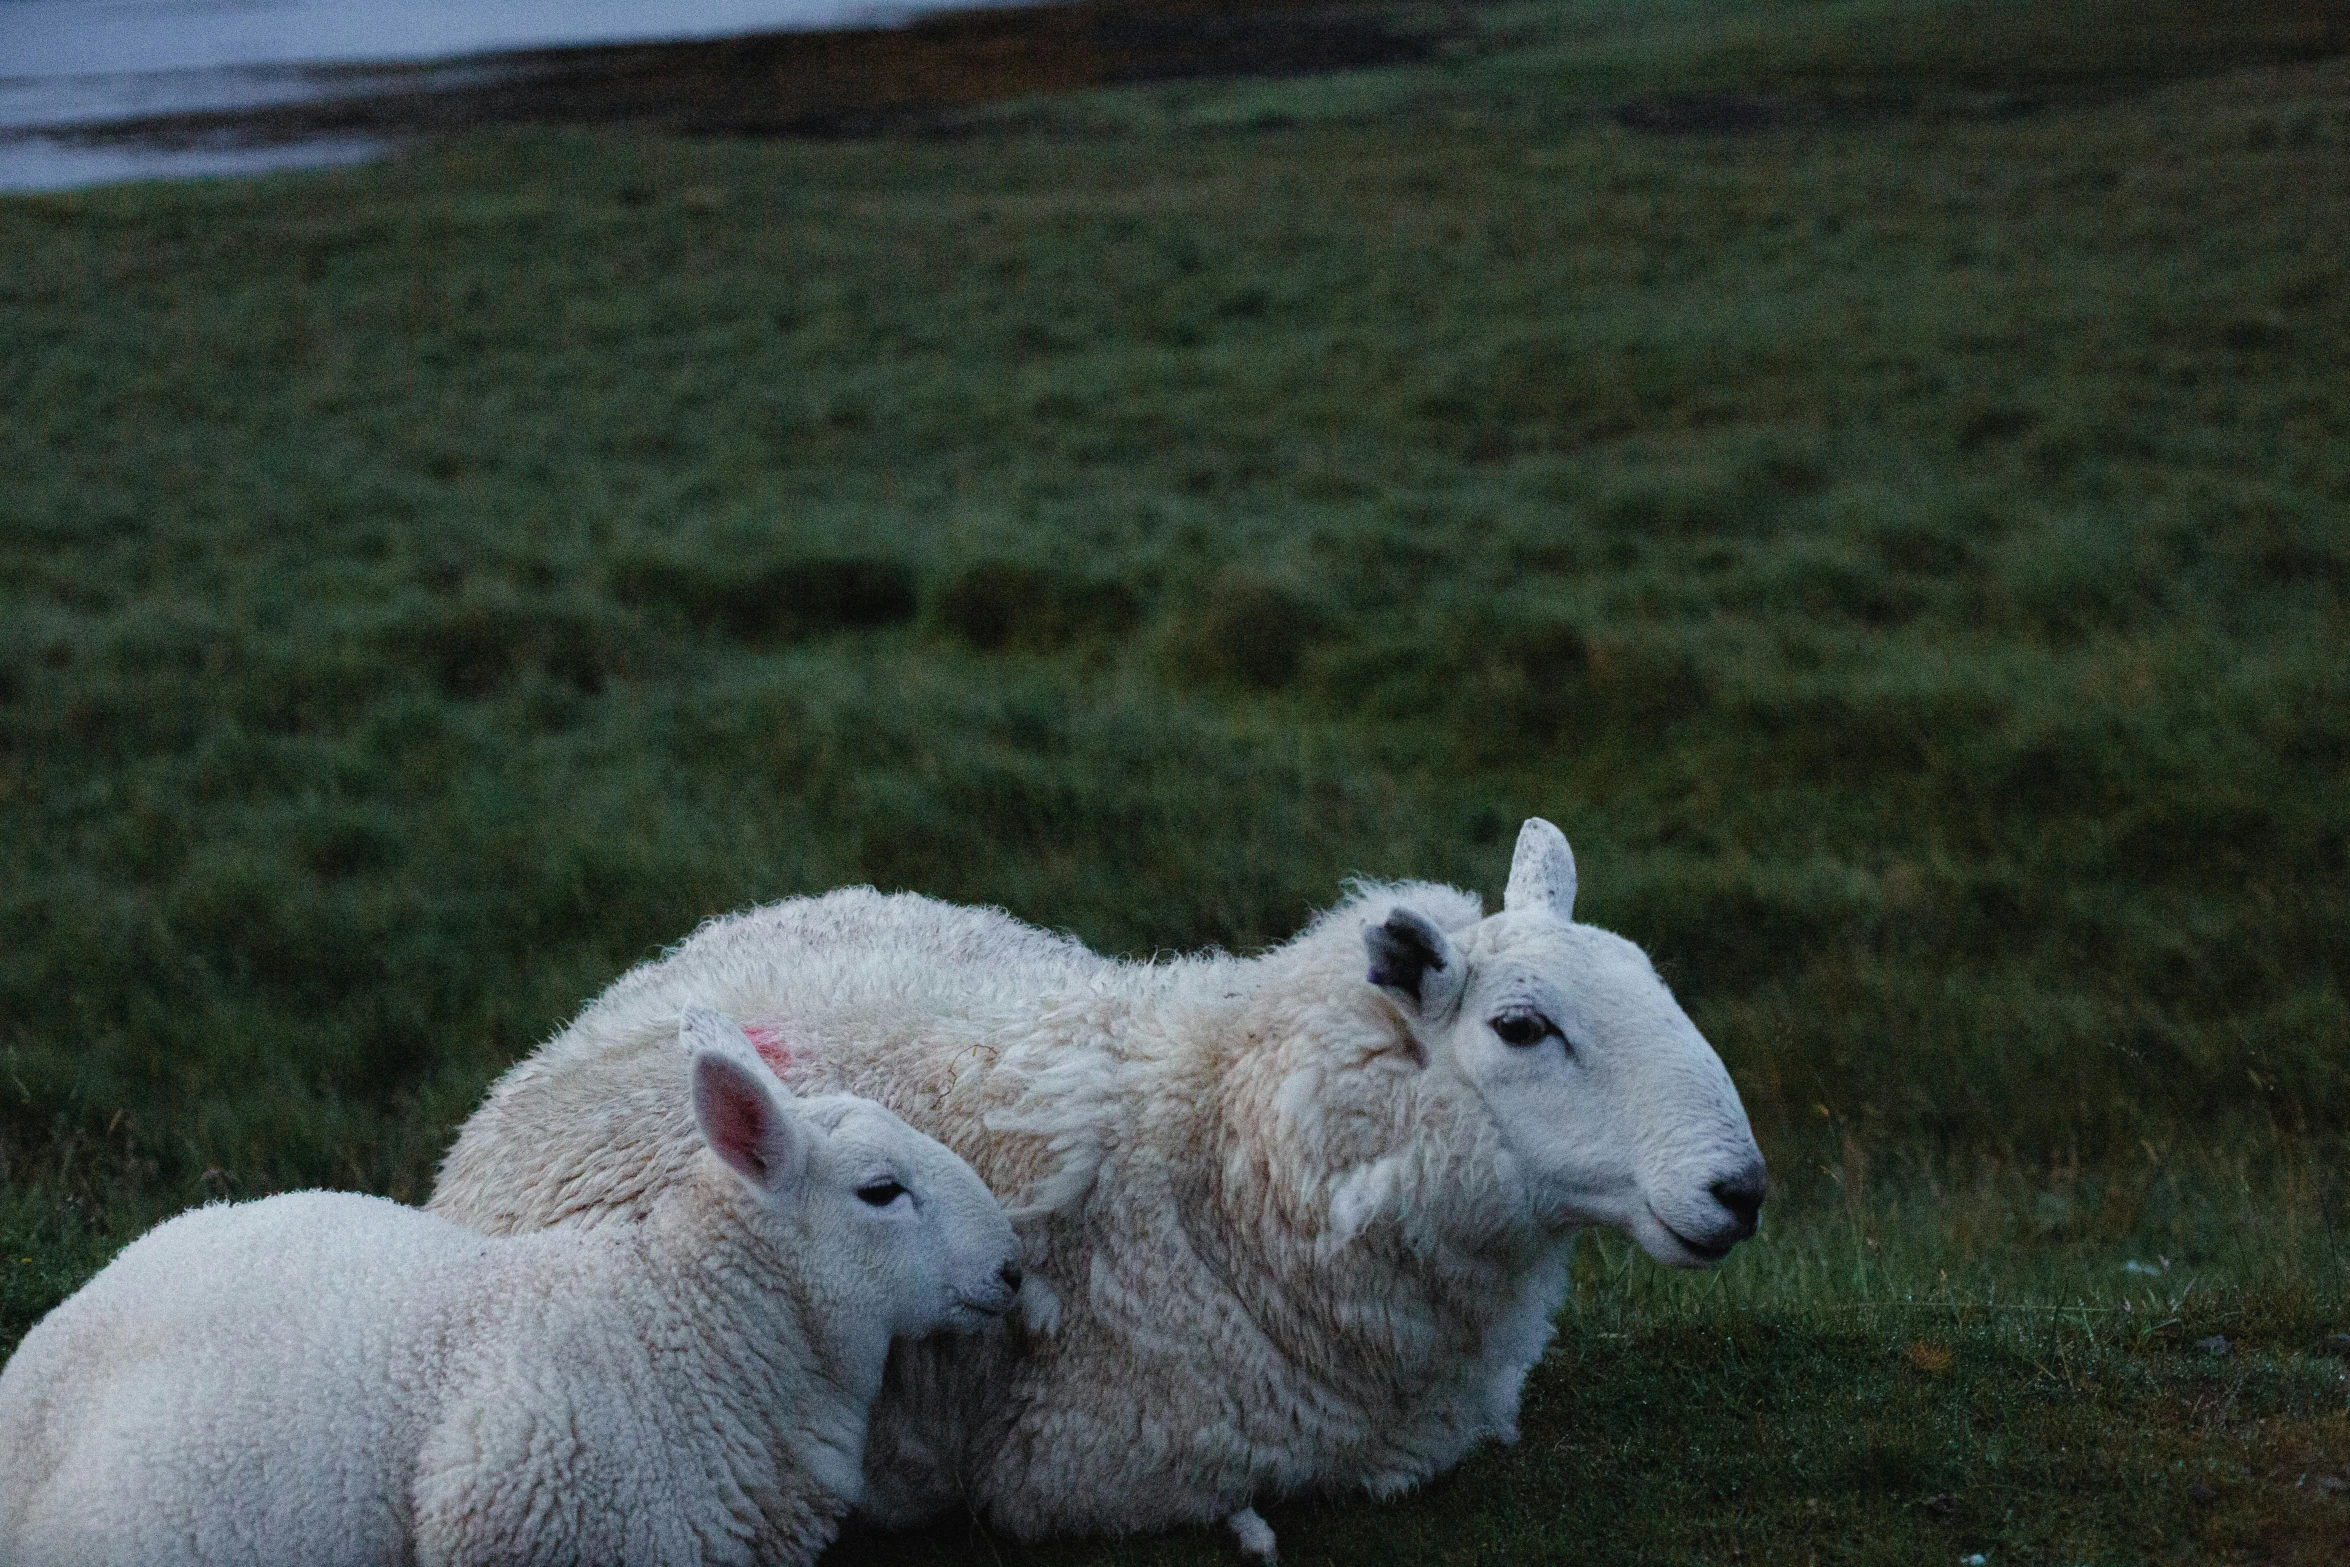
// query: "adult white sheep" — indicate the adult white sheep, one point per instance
point(1305, 1228)
point(329, 1378)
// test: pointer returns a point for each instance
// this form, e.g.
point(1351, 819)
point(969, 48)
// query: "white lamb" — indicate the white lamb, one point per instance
point(1290, 1224)
point(324, 1378)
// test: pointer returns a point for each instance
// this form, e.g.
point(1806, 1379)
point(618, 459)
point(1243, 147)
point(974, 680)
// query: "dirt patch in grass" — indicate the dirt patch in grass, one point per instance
point(771, 601)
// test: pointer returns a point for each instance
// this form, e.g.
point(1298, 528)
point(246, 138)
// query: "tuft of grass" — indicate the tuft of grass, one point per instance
point(1245, 630)
point(1001, 606)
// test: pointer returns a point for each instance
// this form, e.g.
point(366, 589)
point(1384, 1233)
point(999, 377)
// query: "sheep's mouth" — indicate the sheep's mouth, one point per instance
point(1703, 1253)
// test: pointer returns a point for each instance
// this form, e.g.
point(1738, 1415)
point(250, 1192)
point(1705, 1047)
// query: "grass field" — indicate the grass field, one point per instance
point(1877, 474)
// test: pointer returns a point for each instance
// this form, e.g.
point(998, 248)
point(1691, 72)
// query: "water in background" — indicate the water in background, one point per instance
point(66, 65)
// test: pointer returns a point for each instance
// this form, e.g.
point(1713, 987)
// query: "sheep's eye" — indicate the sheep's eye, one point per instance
point(881, 1193)
point(1523, 1026)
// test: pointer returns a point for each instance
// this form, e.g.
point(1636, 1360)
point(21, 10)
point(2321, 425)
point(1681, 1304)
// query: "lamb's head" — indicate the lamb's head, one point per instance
point(1610, 1105)
point(893, 1224)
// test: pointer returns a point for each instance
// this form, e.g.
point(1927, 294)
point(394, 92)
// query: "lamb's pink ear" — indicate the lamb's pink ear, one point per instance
point(744, 1122)
point(742, 1108)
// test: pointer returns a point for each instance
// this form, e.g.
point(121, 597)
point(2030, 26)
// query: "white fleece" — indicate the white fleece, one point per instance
point(1291, 1242)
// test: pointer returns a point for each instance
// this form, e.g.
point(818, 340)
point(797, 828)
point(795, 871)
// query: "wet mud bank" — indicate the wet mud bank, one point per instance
point(910, 79)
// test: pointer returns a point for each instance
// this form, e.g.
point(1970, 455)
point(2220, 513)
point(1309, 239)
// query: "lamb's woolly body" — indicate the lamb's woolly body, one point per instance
point(374, 1384)
point(1286, 1255)
point(324, 1377)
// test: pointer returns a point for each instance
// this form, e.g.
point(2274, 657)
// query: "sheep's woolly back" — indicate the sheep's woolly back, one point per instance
point(593, 1125)
point(1288, 1252)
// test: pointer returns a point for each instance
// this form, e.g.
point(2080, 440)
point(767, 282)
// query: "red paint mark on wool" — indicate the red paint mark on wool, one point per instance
point(768, 1040)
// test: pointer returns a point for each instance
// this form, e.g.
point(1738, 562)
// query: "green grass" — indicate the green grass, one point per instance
point(1906, 547)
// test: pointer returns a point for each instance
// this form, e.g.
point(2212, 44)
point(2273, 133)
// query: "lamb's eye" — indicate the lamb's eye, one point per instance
point(1523, 1026)
point(881, 1193)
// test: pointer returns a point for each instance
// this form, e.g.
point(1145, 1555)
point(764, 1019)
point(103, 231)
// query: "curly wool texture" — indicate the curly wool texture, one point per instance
point(325, 1377)
point(1286, 1255)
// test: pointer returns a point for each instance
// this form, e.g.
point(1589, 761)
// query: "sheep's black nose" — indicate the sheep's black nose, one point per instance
point(1742, 1194)
point(1013, 1276)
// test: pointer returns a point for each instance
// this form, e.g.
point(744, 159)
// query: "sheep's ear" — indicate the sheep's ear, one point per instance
point(1542, 872)
point(742, 1108)
point(1415, 963)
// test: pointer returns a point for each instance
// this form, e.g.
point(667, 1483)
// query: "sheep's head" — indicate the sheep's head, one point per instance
point(895, 1226)
point(1611, 1106)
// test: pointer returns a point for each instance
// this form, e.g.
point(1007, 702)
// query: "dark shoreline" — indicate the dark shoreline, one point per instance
point(937, 75)
point(911, 79)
